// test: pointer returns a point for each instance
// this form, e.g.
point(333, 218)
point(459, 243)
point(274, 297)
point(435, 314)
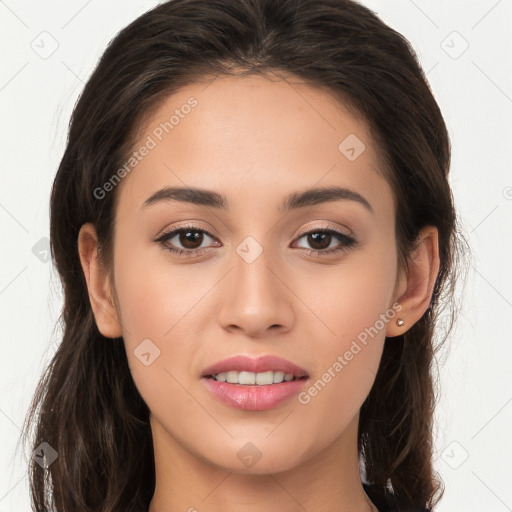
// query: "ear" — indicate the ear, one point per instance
point(416, 287)
point(98, 283)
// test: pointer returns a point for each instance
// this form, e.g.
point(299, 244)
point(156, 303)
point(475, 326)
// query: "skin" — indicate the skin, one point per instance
point(256, 140)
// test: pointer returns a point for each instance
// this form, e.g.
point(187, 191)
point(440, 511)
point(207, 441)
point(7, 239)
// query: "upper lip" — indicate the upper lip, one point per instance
point(260, 364)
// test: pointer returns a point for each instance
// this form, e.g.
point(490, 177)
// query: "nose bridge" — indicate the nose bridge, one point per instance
point(255, 298)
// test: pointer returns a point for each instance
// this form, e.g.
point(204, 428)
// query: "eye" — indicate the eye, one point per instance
point(323, 241)
point(190, 238)
point(188, 241)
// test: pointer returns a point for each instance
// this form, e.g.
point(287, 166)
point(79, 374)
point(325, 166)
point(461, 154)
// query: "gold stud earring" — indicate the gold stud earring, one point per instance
point(400, 322)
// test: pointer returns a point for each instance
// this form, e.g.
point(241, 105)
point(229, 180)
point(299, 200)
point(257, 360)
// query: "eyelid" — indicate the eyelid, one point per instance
point(327, 227)
point(304, 231)
point(191, 224)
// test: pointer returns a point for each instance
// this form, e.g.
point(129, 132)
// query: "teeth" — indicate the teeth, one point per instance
point(251, 378)
point(278, 377)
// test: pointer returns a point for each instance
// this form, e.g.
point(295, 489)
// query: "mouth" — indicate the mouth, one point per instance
point(254, 384)
point(255, 379)
point(249, 371)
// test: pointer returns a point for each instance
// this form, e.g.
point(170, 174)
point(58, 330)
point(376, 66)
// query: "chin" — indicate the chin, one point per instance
point(250, 460)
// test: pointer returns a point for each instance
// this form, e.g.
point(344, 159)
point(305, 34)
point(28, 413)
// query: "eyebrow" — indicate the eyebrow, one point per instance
point(309, 197)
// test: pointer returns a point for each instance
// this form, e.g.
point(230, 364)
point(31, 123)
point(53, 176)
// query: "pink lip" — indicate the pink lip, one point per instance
point(254, 398)
point(258, 365)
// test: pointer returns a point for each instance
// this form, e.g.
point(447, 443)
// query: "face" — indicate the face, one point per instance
point(263, 266)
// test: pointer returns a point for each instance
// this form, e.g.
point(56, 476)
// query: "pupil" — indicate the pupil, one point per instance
point(189, 238)
point(313, 238)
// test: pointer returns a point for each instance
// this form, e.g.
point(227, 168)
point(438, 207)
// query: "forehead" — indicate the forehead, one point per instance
point(255, 139)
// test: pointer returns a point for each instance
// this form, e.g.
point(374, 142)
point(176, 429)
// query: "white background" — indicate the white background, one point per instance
point(474, 91)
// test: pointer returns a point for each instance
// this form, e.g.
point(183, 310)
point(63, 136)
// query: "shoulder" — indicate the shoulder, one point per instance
point(386, 502)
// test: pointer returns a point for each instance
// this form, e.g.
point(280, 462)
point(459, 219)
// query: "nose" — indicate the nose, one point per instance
point(255, 297)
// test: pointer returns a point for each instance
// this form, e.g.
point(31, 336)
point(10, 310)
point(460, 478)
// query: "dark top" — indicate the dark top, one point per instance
point(386, 502)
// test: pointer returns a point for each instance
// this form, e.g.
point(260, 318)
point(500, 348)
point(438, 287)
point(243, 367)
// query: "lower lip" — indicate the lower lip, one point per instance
point(254, 398)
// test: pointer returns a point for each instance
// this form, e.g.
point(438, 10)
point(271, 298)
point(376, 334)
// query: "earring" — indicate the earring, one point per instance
point(400, 322)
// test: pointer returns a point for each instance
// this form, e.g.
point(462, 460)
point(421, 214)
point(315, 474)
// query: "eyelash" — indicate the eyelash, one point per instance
point(347, 241)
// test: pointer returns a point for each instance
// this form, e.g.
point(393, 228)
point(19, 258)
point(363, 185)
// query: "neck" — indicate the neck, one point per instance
point(327, 482)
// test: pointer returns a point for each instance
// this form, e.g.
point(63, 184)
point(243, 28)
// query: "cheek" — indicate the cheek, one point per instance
point(352, 305)
point(350, 297)
point(155, 296)
point(160, 309)
point(158, 316)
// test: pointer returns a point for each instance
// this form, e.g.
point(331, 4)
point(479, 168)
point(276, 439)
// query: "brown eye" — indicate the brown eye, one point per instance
point(319, 240)
point(187, 240)
point(326, 241)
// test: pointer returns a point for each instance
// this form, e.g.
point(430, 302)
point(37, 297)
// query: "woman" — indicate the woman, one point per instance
point(255, 233)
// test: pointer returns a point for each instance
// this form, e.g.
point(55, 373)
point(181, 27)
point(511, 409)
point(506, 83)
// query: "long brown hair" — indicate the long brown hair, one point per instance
point(86, 406)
